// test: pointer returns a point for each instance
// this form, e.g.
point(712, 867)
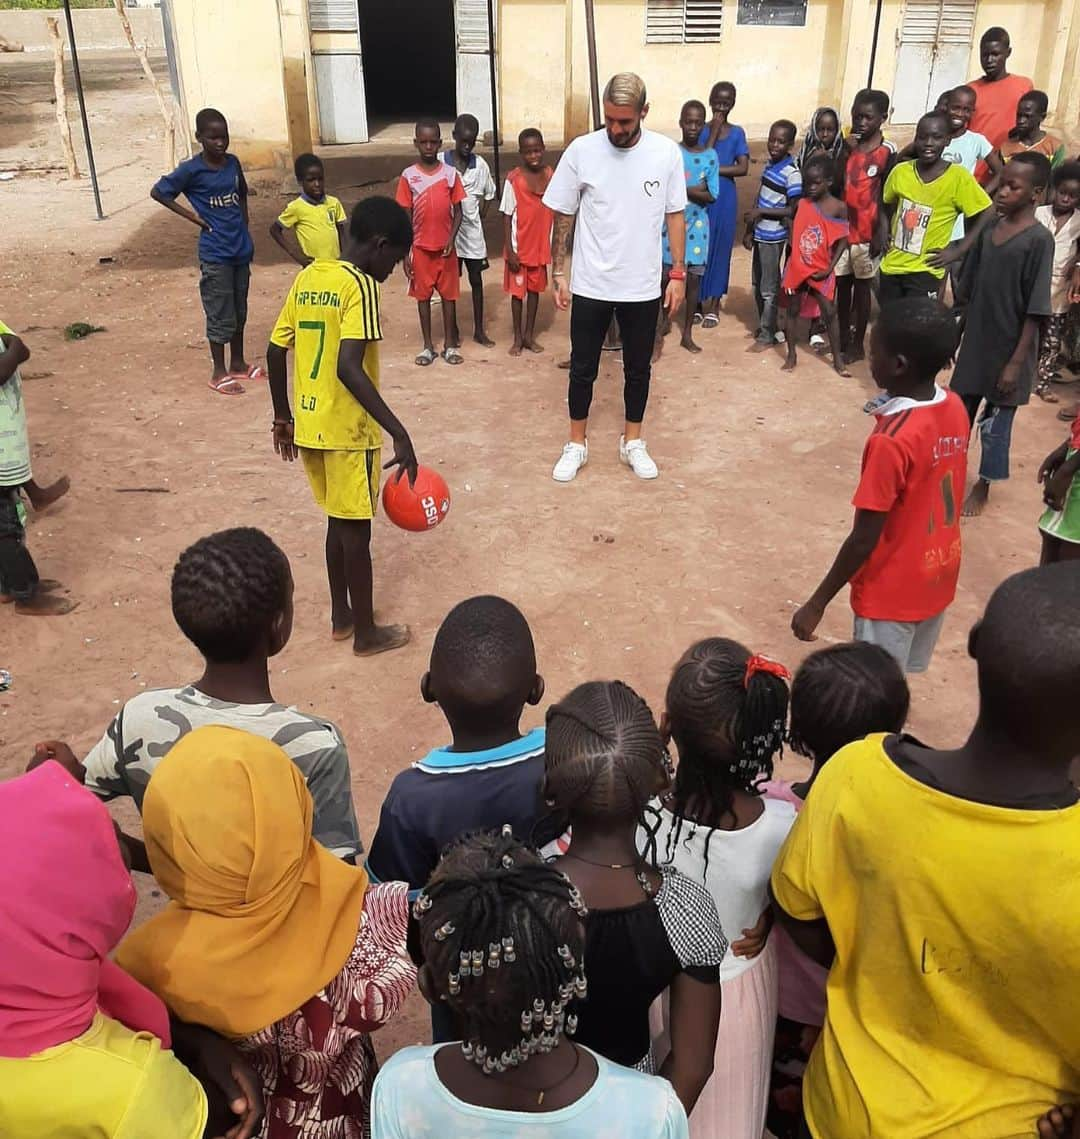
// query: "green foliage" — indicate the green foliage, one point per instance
point(80, 330)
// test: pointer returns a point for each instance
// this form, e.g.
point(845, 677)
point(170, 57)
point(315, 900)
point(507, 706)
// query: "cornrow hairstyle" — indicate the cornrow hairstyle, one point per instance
point(227, 590)
point(305, 162)
point(603, 756)
point(842, 693)
point(503, 935)
point(1066, 172)
point(728, 724)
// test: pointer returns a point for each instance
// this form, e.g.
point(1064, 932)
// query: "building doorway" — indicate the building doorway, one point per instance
point(409, 52)
point(932, 57)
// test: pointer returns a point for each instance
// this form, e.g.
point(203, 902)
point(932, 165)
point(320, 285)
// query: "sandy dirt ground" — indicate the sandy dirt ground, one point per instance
point(616, 576)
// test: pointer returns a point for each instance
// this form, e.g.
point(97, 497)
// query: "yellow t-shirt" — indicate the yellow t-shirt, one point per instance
point(316, 225)
point(330, 301)
point(926, 213)
point(109, 1083)
point(953, 1006)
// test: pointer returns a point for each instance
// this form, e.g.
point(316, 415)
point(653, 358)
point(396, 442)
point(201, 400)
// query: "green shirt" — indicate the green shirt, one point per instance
point(925, 214)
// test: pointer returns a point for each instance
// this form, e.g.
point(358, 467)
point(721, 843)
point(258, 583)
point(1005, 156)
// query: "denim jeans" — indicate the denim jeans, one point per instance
point(995, 434)
point(765, 274)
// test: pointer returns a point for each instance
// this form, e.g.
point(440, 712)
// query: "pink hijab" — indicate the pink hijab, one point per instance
point(66, 901)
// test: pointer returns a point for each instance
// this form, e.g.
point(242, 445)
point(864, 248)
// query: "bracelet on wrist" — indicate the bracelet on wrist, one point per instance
point(677, 275)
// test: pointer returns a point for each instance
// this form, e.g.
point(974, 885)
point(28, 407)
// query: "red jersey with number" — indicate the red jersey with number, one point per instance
point(863, 178)
point(913, 469)
point(431, 196)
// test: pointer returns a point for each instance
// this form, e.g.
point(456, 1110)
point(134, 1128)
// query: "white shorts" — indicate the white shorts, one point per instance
point(910, 642)
point(856, 262)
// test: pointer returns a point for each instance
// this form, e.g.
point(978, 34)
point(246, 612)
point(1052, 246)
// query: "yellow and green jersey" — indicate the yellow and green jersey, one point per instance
point(330, 301)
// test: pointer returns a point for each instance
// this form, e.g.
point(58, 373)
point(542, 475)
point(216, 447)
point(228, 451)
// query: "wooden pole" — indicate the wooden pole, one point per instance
point(163, 104)
point(53, 23)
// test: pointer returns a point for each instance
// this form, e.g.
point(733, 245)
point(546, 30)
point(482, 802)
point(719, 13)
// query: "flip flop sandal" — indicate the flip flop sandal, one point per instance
point(453, 356)
point(227, 385)
point(710, 321)
point(426, 358)
point(698, 318)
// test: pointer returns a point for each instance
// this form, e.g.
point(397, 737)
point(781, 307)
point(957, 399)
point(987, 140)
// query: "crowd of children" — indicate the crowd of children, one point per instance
point(612, 939)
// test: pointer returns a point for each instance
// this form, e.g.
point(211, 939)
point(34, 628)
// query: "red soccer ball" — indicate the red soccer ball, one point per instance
point(421, 506)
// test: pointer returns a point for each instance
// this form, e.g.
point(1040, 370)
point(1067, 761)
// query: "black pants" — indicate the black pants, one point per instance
point(896, 286)
point(18, 574)
point(589, 320)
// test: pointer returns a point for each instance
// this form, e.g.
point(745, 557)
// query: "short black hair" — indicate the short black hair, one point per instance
point(939, 115)
point(1066, 172)
point(995, 35)
point(967, 90)
point(722, 85)
point(1039, 98)
point(1027, 651)
point(305, 162)
point(696, 104)
point(785, 125)
point(842, 693)
point(822, 162)
point(227, 590)
point(428, 122)
point(483, 661)
point(1039, 165)
point(879, 100)
point(207, 116)
point(527, 133)
point(921, 329)
point(466, 122)
point(380, 216)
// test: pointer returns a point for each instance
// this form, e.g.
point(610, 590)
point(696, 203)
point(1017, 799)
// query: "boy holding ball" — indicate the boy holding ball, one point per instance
point(331, 320)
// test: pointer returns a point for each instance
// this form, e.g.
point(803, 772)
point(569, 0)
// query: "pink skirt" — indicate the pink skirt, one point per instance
point(734, 1101)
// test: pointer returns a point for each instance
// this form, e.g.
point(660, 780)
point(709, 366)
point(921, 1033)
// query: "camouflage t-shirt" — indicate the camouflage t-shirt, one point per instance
point(149, 724)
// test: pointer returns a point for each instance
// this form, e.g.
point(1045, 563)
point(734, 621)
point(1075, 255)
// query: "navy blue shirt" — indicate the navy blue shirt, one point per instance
point(215, 195)
point(450, 793)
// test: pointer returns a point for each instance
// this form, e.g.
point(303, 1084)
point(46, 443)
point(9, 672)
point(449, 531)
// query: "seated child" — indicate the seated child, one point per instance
point(526, 238)
point(19, 581)
point(1062, 218)
point(819, 239)
point(317, 219)
point(232, 596)
point(214, 183)
point(840, 694)
point(516, 1071)
point(927, 877)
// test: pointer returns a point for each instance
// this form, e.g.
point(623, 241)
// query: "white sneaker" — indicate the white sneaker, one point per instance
point(574, 457)
point(780, 338)
point(637, 458)
point(817, 341)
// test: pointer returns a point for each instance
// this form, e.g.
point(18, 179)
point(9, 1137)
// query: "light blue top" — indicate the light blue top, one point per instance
point(967, 150)
point(411, 1102)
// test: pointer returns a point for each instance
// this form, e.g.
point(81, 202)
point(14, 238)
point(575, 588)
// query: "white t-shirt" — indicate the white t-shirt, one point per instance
point(738, 867)
point(479, 187)
point(621, 198)
point(409, 1101)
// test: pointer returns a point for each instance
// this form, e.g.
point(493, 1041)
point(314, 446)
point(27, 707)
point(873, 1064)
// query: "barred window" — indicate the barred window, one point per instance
point(683, 21)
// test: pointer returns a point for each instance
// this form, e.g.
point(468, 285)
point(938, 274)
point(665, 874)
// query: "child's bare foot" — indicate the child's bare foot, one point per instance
point(239, 368)
point(534, 345)
point(483, 338)
point(790, 363)
point(840, 367)
point(380, 639)
point(44, 496)
point(342, 632)
point(1056, 1122)
point(42, 605)
point(854, 353)
point(976, 501)
point(515, 348)
point(687, 343)
point(759, 346)
point(564, 364)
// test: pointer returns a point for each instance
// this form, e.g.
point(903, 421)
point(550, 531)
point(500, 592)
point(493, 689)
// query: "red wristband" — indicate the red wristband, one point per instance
point(676, 274)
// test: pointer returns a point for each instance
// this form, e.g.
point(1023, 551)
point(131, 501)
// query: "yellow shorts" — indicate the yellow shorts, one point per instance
point(345, 483)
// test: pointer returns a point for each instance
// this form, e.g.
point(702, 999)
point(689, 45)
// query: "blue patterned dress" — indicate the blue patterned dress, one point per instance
point(723, 216)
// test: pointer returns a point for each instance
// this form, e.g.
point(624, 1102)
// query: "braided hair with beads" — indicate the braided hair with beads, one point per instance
point(503, 935)
point(727, 711)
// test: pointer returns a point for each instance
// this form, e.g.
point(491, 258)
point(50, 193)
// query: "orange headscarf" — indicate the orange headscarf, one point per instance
point(262, 917)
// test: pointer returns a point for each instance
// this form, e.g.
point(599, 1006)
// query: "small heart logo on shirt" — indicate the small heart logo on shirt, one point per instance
point(650, 186)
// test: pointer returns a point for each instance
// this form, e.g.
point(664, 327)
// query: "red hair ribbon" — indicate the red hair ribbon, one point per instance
point(758, 663)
